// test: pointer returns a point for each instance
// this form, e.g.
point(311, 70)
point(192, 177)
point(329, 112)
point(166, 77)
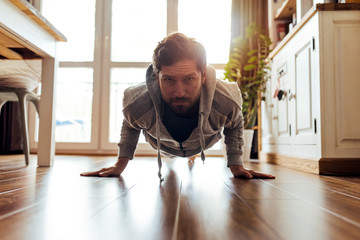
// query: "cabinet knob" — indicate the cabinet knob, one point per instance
point(271, 105)
point(291, 96)
point(275, 117)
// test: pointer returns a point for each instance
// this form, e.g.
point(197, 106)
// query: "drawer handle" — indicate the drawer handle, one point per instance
point(291, 96)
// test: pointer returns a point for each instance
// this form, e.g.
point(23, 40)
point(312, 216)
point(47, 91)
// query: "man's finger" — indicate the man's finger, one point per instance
point(262, 175)
point(247, 174)
point(109, 173)
point(105, 174)
point(96, 173)
point(243, 174)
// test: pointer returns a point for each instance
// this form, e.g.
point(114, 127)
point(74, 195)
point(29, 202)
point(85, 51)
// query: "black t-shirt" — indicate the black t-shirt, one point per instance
point(179, 128)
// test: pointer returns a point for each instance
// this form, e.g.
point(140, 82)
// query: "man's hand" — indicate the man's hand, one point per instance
point(241, 172)
point(110, 171)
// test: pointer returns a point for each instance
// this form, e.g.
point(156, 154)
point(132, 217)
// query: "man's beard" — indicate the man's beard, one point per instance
point(188, 110)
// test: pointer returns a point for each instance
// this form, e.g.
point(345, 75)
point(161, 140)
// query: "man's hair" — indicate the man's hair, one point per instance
point(176, 47)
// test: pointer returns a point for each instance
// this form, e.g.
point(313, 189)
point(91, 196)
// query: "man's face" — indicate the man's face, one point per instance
point(180, 86)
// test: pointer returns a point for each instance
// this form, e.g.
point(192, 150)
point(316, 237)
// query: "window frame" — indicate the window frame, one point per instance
point(102, 66)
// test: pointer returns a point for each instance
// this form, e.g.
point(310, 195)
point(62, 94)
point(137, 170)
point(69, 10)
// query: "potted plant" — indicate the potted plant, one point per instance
point(248, 67)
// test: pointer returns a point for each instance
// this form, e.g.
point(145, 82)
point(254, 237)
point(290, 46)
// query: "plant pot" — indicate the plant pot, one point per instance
point(248, 137)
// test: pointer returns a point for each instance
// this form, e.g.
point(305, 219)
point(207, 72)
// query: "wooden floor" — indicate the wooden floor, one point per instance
point(199, 201)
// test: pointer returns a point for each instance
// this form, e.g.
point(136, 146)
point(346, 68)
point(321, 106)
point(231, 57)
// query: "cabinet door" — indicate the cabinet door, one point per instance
point(280, 118)
point(340, 79)
point(267, 107)
point(301, 95)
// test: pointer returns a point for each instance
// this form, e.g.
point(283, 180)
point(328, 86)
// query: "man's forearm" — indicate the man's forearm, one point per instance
point(121, 161)
point(128, 141)
point(234, 143)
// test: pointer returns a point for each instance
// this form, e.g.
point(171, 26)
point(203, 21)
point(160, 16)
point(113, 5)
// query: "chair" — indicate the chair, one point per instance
point(17, 81)
point(21, 96)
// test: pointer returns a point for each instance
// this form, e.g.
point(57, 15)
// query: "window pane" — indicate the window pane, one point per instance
point(220, 73)
point(137, 26)
point(76, 20)
point(74, 91)
point(209, 21)
point(121, 78)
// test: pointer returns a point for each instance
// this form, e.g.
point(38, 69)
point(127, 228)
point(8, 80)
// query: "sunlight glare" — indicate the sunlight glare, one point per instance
point(209, 21)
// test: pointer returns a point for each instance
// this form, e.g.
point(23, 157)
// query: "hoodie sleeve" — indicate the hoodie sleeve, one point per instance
point(128, 140)
point(234, 138)
point(130, 130)
point(228, 102)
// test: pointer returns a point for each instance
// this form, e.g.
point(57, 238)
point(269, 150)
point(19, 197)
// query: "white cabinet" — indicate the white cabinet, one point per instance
point(294, 118)
point(318, 68)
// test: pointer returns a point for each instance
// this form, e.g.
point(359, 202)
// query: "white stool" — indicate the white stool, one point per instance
point(17, 80)
point(21, 96)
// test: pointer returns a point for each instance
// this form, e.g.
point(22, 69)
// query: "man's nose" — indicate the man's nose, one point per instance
point(179, 90)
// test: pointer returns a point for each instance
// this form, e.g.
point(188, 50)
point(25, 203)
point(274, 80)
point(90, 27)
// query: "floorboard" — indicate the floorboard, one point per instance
point(196, 201)
point(146, 211)
point(210, 209)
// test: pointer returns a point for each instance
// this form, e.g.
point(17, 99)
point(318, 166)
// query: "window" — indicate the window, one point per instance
point(110, 45)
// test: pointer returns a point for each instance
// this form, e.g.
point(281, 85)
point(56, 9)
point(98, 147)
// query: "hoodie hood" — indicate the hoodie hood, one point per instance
point(206, 97)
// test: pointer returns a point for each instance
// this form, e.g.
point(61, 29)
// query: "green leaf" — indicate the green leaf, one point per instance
point(235, 61)
point(233, 74)
point(249, 67)
point(252, 52)
point(252, 59)
point(236, 56)
point(236, 49)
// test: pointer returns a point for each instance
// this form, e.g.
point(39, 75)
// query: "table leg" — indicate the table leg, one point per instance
point(46, 145)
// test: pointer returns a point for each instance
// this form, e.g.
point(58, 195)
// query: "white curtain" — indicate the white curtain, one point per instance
point(244, 12)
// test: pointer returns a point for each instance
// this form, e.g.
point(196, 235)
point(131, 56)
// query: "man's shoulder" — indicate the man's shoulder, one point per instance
point(137, 97)
point(133, 92)
point(227, 94)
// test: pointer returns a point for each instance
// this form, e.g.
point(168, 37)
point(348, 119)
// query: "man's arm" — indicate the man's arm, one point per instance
point(233, 132)
point(127, 146)
point(234, 148)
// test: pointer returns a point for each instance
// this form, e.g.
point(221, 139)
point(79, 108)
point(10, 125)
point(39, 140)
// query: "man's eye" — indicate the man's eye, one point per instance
point(168, 80)
point(189, 79)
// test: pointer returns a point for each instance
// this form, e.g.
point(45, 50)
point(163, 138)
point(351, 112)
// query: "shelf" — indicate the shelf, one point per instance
point(286, 10)
point(313, 10)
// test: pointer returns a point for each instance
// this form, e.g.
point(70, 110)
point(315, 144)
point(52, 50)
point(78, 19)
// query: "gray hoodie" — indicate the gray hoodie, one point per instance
point(220, 109)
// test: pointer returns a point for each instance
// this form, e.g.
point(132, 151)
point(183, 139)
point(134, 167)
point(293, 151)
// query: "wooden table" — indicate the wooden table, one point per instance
point(25, 33)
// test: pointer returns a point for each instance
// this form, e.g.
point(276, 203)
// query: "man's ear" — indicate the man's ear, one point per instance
point(203, 76)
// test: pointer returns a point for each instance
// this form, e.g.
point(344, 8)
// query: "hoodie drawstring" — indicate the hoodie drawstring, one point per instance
point(158, 147)
point(202, 142)
point(202, 137)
